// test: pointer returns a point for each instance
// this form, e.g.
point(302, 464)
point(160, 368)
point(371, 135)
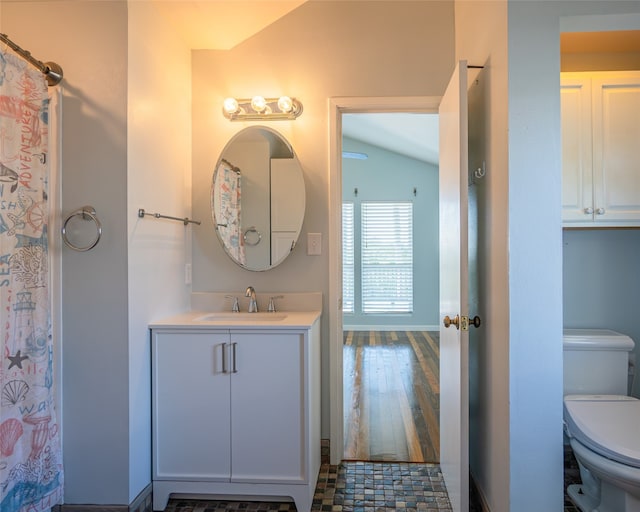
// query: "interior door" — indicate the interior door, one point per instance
point(454, 339)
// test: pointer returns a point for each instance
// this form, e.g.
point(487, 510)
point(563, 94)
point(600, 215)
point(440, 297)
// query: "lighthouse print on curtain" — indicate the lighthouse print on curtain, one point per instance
point(30, 448)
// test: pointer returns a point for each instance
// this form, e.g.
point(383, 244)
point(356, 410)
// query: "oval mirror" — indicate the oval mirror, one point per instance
point(258, 198)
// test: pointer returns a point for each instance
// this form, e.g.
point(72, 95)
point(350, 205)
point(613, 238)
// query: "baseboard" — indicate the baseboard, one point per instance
point(91, 508)
point(142, 503)
point(476, 496)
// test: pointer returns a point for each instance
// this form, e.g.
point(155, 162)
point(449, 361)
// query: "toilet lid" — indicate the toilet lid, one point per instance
point(606, 424)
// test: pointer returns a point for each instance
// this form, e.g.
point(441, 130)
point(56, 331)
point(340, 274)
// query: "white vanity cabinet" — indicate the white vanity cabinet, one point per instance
point(600, 146)
point(236, 412)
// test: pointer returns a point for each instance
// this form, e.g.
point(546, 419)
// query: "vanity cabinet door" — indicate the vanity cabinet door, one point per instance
point(191, 392)
point(268, 403)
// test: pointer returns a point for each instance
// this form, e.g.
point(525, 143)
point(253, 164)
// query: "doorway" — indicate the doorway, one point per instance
point(390, 356)
point(340, 107)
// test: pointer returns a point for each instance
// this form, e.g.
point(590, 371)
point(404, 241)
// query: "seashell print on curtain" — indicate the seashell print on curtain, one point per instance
point(31, 475)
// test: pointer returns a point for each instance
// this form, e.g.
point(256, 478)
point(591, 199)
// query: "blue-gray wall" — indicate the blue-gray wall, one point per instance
point(601, 281)
point(389, 176)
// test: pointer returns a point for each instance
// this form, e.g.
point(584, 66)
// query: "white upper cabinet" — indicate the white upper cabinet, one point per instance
point(600, 147)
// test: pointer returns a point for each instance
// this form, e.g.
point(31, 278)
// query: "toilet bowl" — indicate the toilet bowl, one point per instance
point(604, 436)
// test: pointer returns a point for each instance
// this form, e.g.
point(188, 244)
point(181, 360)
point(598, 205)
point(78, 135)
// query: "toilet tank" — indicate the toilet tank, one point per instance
point(596, 361)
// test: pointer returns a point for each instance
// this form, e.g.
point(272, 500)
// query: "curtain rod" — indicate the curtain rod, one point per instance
point(51, 70)
point(233, 167)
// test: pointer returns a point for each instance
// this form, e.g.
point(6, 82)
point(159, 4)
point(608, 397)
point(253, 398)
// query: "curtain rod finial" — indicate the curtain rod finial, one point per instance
point(54, 73)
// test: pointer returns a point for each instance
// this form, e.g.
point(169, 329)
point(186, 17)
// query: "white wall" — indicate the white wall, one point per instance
point(94, 171)
point(117, 156)
point(389, 176)
point(535, 239)
point(528, 353)
point(158, 180)
point(318, 51)
point(535, 259)
point(481, 31)
point(601, 282)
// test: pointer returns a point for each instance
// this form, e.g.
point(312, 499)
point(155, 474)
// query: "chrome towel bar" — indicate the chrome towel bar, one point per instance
point(186, 220)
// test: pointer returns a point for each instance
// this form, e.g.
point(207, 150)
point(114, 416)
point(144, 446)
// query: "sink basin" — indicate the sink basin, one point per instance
point(225, 316)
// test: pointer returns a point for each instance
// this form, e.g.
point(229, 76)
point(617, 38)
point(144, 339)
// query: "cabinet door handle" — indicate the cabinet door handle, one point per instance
point(600, 211)
point(588, 211)
point(234, 345)
point(224, 358)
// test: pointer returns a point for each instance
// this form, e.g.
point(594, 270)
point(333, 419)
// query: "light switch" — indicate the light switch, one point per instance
point(314, 244)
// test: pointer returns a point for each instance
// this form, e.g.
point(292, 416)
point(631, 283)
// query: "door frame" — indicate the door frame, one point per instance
point(337, 107)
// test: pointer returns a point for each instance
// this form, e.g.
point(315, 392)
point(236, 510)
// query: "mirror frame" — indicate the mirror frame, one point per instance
point(280, 155)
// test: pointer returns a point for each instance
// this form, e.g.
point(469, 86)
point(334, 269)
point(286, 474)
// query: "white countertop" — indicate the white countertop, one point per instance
point(202, 320)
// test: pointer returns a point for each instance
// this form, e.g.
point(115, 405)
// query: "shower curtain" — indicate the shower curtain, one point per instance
point(31, 475)
point(226, 201)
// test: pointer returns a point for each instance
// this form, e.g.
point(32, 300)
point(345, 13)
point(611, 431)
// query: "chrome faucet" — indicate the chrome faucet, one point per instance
point(253, 305)
point(236, 304)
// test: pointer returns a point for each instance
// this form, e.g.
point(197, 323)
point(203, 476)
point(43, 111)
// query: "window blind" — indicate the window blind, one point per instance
point(387, 257)
point(348, 258)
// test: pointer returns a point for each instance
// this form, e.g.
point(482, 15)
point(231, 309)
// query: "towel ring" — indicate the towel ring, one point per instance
point(87, 213)
point(250, 238)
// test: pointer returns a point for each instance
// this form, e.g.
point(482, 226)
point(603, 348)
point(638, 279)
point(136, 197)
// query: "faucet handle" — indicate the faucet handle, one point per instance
point(236, 304)
point(271, 308)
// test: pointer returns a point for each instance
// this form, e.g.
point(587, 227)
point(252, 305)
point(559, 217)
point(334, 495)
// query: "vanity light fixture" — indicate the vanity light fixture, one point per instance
point(259, 108)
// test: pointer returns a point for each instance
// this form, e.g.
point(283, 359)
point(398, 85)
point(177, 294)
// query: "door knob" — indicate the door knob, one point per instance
point(449, 322)
point(462, 322)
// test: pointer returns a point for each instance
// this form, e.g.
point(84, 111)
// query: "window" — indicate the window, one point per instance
point(348, 258)
point(387, 257)
point(386, 275)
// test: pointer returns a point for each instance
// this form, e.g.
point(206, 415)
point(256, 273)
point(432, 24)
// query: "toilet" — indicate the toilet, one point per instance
point(601, 421)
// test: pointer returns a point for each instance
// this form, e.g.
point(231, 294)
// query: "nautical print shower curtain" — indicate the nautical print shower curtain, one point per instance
point(226, 201)
point(30, 447)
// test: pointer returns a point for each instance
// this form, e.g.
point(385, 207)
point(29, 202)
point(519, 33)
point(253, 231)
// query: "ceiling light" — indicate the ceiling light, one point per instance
point(354, 155)
point(260, 108)
point(285, 104)
point(230, 106)
point(259, 104)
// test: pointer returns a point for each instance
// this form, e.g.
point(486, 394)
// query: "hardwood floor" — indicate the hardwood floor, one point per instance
point(392, 396)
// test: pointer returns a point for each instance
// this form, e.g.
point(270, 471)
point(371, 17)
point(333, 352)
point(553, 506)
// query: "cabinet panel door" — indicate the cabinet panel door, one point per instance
point(616, 135)
point(577, 186)
point(267, 407)
point(191, 395)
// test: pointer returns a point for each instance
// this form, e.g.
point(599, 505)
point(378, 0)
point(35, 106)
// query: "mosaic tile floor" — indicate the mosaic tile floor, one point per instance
point(369, 487)
point(571, 476)
point(354, 487)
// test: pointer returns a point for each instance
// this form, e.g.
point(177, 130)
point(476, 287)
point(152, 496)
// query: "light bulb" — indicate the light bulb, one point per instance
point(258, 103)
point(230, 105)
point(285, 104)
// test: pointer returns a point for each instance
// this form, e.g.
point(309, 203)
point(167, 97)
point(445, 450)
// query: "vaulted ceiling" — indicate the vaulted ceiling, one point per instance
point(223, 24)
